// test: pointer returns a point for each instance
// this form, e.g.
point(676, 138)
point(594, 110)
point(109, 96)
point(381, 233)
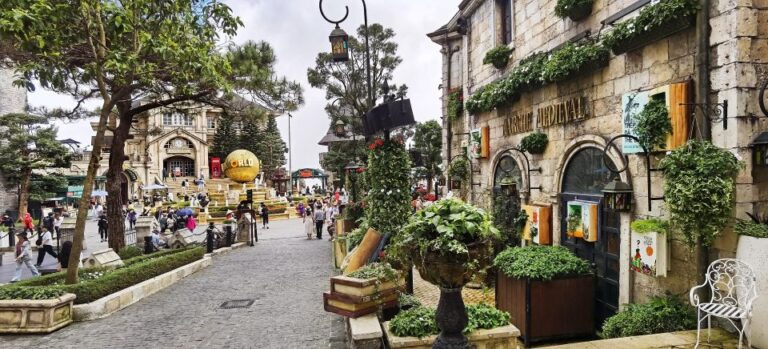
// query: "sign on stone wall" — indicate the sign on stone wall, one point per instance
point(479, 143)
point(570, 110)
point(632, 104)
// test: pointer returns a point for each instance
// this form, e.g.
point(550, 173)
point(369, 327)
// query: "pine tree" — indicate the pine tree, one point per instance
point(224, 140)
point(271, 148)
point(250, 136)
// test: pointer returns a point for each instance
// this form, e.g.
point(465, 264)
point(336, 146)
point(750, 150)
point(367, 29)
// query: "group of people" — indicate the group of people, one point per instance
point(50, 224)
point(316, 214)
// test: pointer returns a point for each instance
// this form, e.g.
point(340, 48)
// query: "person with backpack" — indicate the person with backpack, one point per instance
point(45, 246)
point(23, 256)
point(103, 225)
point(48, 221)
point(264, 216)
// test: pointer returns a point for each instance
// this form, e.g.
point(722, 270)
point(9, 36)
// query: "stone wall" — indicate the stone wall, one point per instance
point(12, 100)
point(739, 48)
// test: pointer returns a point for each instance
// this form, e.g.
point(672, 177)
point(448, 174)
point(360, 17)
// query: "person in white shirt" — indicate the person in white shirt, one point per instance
point(57, 220)
point(46, 247)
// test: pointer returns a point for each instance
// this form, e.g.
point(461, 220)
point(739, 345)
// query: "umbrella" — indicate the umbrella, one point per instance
point(154, 186)
point(185, 212)
point(99, 193)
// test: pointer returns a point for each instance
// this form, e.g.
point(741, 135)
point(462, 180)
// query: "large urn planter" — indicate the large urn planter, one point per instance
point(35, 316)
point(544, 310)
point(504, 337)
point(662, 31)
point(754, 251)
point(354, 297)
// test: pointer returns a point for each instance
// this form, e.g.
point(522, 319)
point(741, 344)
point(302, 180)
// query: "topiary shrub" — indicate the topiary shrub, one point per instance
point(661, 314)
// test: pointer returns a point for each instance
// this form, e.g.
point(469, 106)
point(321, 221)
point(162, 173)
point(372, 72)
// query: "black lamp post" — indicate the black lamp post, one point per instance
point(340, 44)
point(617, 196)
point(352, 168)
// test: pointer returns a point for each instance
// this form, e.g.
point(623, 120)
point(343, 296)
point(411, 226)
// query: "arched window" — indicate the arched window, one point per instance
point(179, 143)
point(507, 166)
point(586, 173)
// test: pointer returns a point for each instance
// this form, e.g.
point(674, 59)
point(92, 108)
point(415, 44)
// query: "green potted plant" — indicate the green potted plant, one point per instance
point(574, 59)
point(753, 242)
point(534, 143)
point(449, 242)
point(539, 283)
point(653, 23)
point(417, 328)
point(700, 181)
point(576, 10)
point(458, 170)
point(39, 309)
point(498, 56)
point(652, 125)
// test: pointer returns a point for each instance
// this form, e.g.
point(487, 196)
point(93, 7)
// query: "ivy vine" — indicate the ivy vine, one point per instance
point(388, 201)
point(699, 189)
point(653, 125)
point(455, 104)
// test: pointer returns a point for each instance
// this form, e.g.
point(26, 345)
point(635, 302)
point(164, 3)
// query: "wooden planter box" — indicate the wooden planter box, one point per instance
point(36, 316)
point(356, 297)
point(344, 226)
point(504, 337)
point(663, 31)
point(543, 310)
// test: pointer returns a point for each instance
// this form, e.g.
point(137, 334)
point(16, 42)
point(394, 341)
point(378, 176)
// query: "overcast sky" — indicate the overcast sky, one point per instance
point(298, 32)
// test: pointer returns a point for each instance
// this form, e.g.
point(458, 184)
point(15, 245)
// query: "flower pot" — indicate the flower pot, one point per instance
point(580, 11)
point(664, 30)
point(501, 64)
point(36, 316)
point(449, 270)
point(754, 251)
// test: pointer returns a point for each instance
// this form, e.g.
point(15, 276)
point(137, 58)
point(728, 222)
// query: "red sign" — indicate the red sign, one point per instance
point(215, 167)
point(305, 174)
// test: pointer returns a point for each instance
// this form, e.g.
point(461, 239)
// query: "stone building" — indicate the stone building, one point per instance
point(582, 113)
point(12, 100)
point(163, 140)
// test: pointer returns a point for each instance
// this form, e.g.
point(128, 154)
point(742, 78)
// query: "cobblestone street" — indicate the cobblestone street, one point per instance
point(285, 275)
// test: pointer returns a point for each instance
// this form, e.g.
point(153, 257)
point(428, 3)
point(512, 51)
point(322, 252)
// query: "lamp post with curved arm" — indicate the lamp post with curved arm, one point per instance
point(338, 42)
point(625, 187)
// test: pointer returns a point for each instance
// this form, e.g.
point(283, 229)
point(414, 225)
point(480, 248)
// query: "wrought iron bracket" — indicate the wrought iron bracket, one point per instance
point(648, 168)
point(528, 168)
point(471, 169)
point(718, 112)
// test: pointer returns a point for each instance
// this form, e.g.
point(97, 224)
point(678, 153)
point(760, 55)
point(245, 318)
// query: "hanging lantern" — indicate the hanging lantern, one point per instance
point(617, 196)
point(352, 166)
point(456, 182)
point(339, 128)
point(509, 186)
point(339, 45)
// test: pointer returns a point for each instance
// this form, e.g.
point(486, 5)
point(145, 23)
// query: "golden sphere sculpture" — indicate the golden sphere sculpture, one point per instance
point(241, 166)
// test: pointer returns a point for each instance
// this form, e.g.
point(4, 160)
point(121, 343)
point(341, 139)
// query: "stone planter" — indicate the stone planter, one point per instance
point(661, 32)
point(496, 338)
point(754, 251)
point(357, 297)
point(544, 310)
point(448, 270)
point(35, 316)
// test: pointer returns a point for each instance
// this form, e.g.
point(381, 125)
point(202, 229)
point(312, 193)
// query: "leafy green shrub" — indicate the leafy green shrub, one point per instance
point(381, 271)
point(129, 252)
point(356, 235)
point(540, 263)
point(649, 19)
point(700, 182)
point(408, 301)
point(33, 293)
point(421, 321)
point(414, 322)
point(455, 104)
point(644, 226)
point(653, 124)
point(572, 59)
point(661, 314)
point(758, 230)
point(564, 7)
point(354, 211)
point(388, 204)
point(534, 143)
point(498, 56)
point(459, 168)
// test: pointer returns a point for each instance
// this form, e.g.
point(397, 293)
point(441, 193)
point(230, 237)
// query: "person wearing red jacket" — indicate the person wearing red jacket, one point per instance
point(28, 225)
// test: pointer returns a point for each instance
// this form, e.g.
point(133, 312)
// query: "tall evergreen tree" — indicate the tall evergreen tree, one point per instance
point(223, 138)
point(250, 136)
point(428, 140)
point(271, 148)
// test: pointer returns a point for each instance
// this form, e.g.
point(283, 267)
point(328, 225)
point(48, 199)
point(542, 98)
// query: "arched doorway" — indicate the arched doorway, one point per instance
point(182, 166)
point(584, 178)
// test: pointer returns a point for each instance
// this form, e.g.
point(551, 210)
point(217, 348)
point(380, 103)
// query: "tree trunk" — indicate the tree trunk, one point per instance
point(115, 202)
point(26, 178)
point(85, 200)
point(430, 183)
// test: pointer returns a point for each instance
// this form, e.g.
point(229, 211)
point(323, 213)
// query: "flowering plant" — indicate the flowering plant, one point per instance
point(649, 19)
point(389, 200)
point(376, 144)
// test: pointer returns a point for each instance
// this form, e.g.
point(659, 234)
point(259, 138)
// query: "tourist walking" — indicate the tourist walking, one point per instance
point(184, 186)
point(99, 210)
point(46, 247)
point(103, 225)
point(132, 219)
point(57, 220)
point(264, 216)
point(319, 220)
point(29, 226)
point(23, 256)
point(48, 221)
point(191, 223)
point(201, 183)
point(309, 224)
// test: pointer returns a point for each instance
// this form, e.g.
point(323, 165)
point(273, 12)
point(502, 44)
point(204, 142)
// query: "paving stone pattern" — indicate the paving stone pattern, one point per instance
point(285, 275)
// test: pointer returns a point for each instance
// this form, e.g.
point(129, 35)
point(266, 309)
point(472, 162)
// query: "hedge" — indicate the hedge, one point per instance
point(135, 272)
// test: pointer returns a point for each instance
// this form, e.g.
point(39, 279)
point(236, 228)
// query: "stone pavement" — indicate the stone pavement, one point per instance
point(284, 274)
